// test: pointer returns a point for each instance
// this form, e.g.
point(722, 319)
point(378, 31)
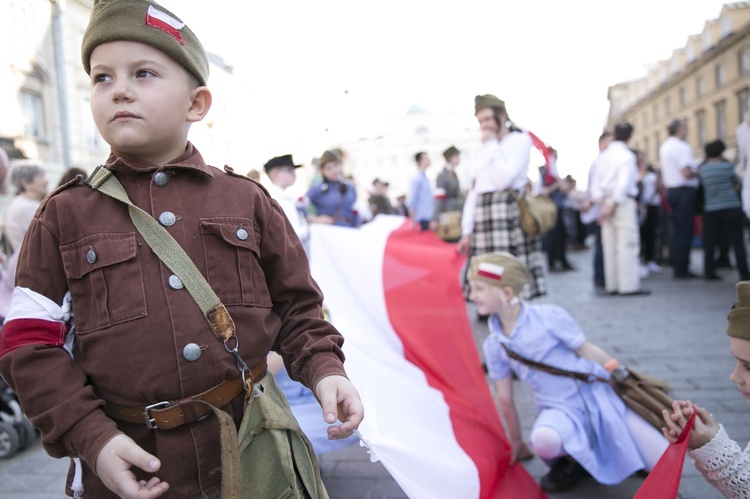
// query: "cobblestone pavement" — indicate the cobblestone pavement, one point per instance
point(676, 333)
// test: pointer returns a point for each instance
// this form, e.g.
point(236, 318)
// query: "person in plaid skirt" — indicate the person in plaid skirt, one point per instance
point(490, 220)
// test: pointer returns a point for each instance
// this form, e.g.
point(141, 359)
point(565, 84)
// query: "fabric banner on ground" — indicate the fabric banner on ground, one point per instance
point(429, 416)
point(664, 480)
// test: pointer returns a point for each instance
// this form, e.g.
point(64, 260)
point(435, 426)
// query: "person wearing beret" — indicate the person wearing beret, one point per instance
point(379, 202)
point(718, 458)
point(281, 170)
point(490, 219)
point(447, 186)
point(332, 200)
point(581, 428)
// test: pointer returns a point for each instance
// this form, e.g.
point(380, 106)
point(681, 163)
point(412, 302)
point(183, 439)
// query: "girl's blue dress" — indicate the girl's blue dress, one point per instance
point(589, 417)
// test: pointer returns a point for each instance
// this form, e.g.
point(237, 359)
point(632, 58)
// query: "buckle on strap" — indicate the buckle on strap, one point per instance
point(151, 422)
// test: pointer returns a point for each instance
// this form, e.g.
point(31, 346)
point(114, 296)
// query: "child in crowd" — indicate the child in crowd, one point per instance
point(141, 341)
point(582, 428)
point(720, 460)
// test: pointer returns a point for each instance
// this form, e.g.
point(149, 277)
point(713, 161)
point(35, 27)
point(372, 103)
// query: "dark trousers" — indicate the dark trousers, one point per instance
point(682, 202)
point(727, 224)
point(648, 234)
point(598, 256)
point(555, 242)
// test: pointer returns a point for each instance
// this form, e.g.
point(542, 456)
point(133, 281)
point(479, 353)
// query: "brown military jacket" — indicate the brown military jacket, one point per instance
point(132, 326)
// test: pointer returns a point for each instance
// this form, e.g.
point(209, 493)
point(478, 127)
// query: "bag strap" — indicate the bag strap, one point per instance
point(586, 377)
point(171, 253)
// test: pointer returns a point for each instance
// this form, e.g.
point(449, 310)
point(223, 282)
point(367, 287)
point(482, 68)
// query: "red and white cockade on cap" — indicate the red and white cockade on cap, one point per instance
point(491, 271)
point(165, 22)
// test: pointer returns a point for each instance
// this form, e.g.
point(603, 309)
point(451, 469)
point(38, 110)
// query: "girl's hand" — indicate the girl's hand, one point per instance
point(463, 245)
point(705, 426)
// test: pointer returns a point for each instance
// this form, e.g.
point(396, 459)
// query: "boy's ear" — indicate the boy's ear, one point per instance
point(200, 103)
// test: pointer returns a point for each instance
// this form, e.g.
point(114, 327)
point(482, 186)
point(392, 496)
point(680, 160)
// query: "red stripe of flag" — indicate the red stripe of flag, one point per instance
point(664, 480)
point(427, 310)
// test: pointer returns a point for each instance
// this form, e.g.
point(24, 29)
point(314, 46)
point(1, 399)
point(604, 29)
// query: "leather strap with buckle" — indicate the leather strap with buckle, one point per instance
point(171, 414)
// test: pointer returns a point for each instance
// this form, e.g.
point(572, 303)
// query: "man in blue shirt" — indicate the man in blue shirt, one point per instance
point(422, 202)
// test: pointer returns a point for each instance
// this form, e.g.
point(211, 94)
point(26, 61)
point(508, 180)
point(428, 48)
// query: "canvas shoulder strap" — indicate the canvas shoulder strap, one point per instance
point(171, 253)
point(586, 377)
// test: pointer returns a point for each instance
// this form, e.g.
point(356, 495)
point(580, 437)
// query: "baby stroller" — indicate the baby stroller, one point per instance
point(16, 432)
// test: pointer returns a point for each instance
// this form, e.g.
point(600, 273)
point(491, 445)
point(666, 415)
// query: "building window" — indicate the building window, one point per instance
point(721, 119)
point(645, 147)
point(683, 97)
point(726, 27)
point(645, 118)
point(721, 77)
point(743, 102)
point(32, 114)
point(690, 54)
point(657, 142)
point(668, 106)
point(700, 88)
point(656, 114)
point(700, 118)
point(21, 29)
point(707, 42)
point(675, 66)
point(744, 56)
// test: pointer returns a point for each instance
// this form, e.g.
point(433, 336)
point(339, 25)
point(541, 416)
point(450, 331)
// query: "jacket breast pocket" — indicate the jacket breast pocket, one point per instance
point(105, 279)
point(233, 261)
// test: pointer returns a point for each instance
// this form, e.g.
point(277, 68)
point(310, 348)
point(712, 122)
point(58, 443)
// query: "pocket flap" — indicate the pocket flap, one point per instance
point(97, 251)
point(238, 232)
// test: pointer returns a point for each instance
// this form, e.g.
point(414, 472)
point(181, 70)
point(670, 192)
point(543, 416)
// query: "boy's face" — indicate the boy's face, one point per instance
point(141, 100)
point(488, 299)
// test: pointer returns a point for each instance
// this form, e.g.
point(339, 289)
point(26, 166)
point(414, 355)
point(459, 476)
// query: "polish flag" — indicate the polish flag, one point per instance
point(163, 21)
point(664, 480)
point(395, 295)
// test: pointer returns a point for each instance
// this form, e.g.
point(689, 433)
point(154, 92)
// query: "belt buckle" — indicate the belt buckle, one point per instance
point(151, 422)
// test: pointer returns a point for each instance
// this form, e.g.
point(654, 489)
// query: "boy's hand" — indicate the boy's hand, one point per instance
point(337, 395)
point(113, 467)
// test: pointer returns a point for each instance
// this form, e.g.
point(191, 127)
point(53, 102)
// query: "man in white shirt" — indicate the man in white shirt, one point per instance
point(614, 187)
point(281, 172)
point(680, 177)
point(590, 214)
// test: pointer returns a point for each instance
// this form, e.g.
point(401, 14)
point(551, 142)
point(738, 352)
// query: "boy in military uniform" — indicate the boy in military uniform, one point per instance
point(140, 338)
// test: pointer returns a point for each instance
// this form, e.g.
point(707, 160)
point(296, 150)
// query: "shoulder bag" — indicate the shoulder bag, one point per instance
point(646, 395)
point(537, 213)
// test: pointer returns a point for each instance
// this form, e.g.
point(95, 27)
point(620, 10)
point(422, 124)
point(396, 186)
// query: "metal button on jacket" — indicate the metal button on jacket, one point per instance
point(167, 219)
point(91, 256)
point(241, 234)
point(191, 352)
point(175, 282)
point(161, 179)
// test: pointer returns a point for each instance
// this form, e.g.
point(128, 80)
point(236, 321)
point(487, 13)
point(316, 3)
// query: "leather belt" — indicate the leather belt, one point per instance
point(171, 414)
